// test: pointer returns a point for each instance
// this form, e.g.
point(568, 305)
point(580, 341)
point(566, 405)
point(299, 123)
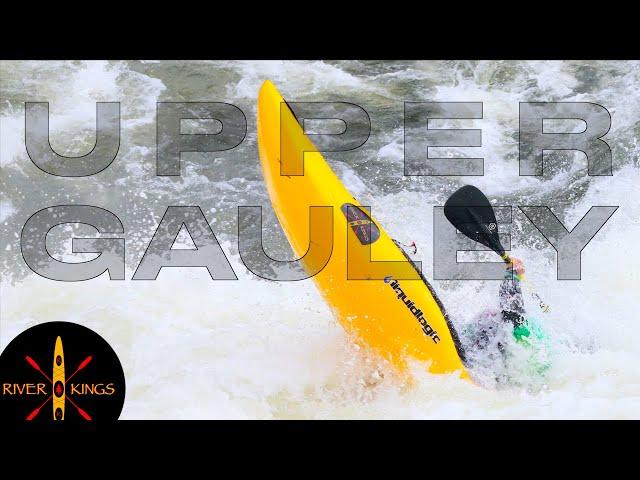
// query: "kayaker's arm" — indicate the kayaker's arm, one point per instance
point(511, 300)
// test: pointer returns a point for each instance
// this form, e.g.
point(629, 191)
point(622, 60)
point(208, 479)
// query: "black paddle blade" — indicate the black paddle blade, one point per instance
point(471, 213)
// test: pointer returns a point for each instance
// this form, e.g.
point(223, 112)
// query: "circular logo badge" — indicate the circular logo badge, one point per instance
point(58, 374)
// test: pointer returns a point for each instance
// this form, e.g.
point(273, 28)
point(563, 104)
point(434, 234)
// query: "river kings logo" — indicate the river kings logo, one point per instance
point(57, 374)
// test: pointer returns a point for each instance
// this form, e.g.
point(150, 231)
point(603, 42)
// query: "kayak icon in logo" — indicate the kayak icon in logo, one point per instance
point(60, 373)
point(58, 382)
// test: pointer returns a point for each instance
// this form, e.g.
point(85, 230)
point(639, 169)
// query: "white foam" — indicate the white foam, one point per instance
point(196, 348)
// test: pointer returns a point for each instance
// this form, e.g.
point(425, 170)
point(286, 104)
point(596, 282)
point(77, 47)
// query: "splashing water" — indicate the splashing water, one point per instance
point(258, 349)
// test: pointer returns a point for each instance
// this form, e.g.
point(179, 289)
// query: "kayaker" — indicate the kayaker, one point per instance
point(488, 337)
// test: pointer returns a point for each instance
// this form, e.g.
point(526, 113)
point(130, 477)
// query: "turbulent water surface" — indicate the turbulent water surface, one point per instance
point(195, 348)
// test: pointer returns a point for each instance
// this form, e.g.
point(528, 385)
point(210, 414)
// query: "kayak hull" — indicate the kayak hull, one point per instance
point(394, 312)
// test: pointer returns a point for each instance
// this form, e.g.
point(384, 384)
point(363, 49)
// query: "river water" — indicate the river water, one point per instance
point(195, 348)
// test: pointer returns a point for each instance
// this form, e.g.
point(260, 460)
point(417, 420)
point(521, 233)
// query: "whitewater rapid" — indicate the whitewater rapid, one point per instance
point(196, 348)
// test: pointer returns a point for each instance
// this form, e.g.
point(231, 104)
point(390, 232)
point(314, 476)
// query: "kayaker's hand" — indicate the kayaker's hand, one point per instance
point(517, 266)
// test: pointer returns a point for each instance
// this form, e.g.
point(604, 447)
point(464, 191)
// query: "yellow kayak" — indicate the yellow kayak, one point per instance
point(58, 381)
point(375, 292)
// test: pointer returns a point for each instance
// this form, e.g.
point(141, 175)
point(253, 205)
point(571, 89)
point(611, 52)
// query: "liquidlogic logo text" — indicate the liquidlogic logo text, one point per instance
point(413, 308)
point(57, 373)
